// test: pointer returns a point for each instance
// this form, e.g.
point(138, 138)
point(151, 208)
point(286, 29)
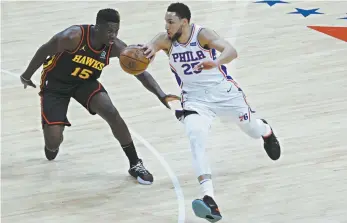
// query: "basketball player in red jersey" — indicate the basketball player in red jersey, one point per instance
point(72, 62)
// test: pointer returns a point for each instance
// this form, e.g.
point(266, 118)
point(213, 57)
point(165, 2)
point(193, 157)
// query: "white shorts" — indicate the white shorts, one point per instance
point(225, 100)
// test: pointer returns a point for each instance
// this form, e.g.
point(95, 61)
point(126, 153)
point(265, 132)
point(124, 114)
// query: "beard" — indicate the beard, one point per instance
point(177, 35)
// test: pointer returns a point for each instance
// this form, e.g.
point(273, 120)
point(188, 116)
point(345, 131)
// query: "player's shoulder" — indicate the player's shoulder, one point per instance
point(73, 32)
point(204, 32)
point(68, 39)
point(119, 43)
point(163, 36)
point(206, 35)
point(165, 41)
point(117, 47)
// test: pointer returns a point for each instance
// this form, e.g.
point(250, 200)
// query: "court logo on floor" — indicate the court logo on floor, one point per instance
point(338, 32)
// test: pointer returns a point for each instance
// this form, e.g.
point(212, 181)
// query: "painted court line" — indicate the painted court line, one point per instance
point(173, 177)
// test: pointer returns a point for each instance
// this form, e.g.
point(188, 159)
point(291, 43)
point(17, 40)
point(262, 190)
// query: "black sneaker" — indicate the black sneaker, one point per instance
point(206, 208)
point(139, 172)
point(50, 155)
point(271, 145)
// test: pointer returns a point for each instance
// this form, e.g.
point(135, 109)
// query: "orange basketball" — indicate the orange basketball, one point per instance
point(133, 60)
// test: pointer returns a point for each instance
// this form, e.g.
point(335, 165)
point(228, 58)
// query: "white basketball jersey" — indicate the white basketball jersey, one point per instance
point(183, 57)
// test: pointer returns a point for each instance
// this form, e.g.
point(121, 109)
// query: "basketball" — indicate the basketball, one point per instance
point(133, 60)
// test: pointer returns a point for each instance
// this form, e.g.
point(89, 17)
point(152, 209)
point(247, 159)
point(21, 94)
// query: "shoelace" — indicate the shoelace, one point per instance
point(139, 168)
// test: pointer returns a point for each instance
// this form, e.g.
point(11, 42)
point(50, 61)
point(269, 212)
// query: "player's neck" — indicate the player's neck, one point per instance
point(93, 39)
point(186, 33)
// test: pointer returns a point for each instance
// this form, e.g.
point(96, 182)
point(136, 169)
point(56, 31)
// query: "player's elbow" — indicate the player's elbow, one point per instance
point(141, 76)
point(233, 52)
point(51, 47)
point(44, 50)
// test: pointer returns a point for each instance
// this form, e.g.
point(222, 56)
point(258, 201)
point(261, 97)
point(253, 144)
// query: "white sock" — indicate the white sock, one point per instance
point(267, 129)
point(207, 187)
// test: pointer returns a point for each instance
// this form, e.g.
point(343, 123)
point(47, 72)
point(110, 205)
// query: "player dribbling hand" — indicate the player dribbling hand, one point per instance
point(167, 98)
point(149, 50)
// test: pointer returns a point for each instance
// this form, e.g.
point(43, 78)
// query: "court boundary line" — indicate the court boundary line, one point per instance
point(163, 162)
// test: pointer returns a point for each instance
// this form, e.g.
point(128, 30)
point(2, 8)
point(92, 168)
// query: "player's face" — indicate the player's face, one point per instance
point(174, 25)
point(108, 32)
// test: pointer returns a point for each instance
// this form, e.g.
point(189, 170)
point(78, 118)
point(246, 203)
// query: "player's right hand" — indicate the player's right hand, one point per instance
point(149, 50)
point(27, 82)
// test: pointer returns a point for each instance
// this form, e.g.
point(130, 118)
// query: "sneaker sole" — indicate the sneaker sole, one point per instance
point(141, 181)
point(201, 210)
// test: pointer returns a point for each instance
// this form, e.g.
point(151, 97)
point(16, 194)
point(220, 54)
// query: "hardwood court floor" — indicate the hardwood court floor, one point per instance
point(294, 77)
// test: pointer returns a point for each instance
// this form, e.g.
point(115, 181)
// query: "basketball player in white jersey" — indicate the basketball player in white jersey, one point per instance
point(207, 92)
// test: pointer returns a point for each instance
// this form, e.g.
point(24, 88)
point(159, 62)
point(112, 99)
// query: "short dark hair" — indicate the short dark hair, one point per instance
point(181, 10)
point(107, 15)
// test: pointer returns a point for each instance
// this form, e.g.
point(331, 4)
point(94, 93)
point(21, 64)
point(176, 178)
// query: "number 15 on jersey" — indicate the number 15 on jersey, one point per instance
point(82, 73)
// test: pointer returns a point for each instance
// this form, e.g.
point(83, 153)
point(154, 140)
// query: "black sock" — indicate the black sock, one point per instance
point(131, 153)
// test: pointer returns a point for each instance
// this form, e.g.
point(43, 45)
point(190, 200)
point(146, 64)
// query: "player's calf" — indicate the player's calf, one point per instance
point(102, 105)
point(53, 135)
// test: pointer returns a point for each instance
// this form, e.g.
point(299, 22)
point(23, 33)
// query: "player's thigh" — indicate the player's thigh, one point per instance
point(93, 96)
point(54, 108)
point(197, 119)
point(202, 108)
point(237, 111)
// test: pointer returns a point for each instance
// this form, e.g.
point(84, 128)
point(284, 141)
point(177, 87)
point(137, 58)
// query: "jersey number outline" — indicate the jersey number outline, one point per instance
point(188, 67)
point(83, 74)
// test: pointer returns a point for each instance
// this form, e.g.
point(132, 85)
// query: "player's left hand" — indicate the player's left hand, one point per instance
point(27, 82)
point(206, 65)
point(167, 98)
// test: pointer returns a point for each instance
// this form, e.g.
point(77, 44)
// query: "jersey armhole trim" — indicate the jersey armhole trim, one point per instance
point(108, 54)
point(197, 40)
point(89, 44)
point(79, 44)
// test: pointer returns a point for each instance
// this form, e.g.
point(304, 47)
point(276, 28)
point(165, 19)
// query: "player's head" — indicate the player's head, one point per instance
point(107, 25)
point(177, 17)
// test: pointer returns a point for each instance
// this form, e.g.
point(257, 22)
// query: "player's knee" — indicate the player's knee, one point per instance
point(53, 143)
point(112, 116)
point(196, 127)
point(53, 136)
point(108, 111)
point(251, 129)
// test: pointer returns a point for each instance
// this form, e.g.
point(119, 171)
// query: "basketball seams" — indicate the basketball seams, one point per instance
point(133, 58)
point(128, 67)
